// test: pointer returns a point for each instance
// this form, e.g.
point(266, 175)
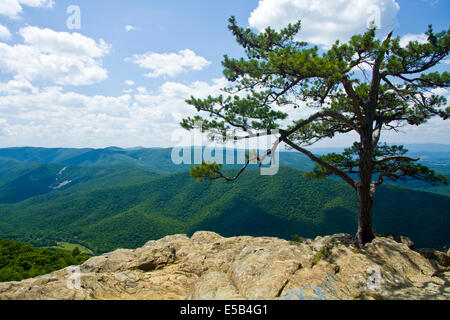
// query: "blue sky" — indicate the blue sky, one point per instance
point(121, 79)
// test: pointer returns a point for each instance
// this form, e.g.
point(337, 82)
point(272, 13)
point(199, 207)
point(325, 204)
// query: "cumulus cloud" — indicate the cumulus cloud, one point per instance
point(325, 21)
point(421, 38)
point(16, 86)
point(51, 98)
point(169, 103)
point(169, 64)
point(4, 33)
point(54, 117)
point(59, 57)
point(12, 8)
point(129, 82)
point(50, 41)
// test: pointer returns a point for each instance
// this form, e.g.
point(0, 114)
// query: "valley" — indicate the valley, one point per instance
point(123, 205)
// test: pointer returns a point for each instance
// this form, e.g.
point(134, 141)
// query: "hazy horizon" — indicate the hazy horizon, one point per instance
point(228, 147)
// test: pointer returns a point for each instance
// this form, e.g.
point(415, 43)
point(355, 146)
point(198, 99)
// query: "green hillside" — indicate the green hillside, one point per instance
point(280, 205)
point(23, 180)
point(21, 261)
point(154, 159)
point(158, 160)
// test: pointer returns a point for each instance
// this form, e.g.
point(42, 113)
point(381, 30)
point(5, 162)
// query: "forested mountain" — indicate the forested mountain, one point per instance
point(127, 215)
point(158, 160)
point(22, 180)
point(110, 198)
point(154, 159)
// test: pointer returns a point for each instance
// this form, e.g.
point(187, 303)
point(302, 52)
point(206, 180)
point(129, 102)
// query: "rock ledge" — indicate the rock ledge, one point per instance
point(208, 266)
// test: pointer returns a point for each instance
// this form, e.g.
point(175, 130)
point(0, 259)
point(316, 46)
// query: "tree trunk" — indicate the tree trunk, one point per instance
point(365, 232)
point(365, 193)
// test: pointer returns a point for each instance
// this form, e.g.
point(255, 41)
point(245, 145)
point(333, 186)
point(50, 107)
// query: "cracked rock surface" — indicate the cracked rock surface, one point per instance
point(208, 266)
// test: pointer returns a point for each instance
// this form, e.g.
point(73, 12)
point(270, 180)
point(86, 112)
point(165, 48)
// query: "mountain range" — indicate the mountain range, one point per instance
point(110, 198)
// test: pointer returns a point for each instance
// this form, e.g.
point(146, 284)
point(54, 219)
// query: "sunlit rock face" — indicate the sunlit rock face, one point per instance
point(208, 266)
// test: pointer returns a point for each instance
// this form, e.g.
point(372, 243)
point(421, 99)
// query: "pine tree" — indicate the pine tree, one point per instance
point(365, 86)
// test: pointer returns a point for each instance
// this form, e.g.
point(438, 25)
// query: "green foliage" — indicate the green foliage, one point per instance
point(391, 91)
point(15, 175)
point(67, 247)
point(395, 165)
point(280, 71)
point(155, 160)
point(321, 254)
point(23, 180)
point(76, 252)
point(295, 238)
point(206, 171)
point(20, 261)
point(281, 205)
point(116, 207)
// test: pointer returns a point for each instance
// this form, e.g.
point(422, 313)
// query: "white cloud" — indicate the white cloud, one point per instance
point(18, 85)
point(421, 38)
point(4, 33)
point(52, 98)
point(53, 117)
point(59, 57)
point(169, 104)
point(441, 92)
point(141, 90)
point(129, 82)
point(12, 8)
point(169, 64)
point(325, 21)
point(38, 3)
point(129, 28)
point(50, 41)
point(434, 130)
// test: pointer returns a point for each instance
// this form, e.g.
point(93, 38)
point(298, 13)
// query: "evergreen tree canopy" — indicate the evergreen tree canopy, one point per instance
point(365, 86)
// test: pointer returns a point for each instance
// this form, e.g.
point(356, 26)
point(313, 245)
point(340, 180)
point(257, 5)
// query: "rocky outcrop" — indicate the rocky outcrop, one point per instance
point(208, 266)
point(440, 257)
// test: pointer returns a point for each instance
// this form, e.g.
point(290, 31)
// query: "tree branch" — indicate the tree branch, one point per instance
point(355, 98)
point(376, 77)
point(380, 180)
point(377, 133)
point(221, 176)
point(396, 158)
point(257, 158)
point(318, 115)
point(322, 163)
